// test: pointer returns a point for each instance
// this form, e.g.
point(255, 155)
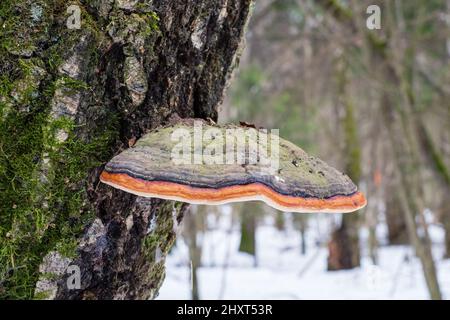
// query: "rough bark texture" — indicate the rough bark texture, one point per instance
point(73, 98)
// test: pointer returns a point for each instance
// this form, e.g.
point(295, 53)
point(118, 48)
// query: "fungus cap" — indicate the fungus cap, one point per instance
point(301, 183)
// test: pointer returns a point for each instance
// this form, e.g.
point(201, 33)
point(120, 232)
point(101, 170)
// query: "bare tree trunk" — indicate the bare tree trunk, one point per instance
point(248, 229)
point(446, 223)
point(301, 223)
point(408, 199)
point(395, 219)
point(280, 221)
point(371, 218)
point(73, 98)
point(341, 253)
point(436, 162)
point(194, 225)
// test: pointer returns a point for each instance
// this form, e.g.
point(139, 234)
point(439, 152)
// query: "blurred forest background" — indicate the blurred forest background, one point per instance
point(373, 103)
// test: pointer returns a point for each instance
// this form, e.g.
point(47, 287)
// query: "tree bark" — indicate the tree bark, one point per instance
point(194, 225)
point(73, 98)
point(395, 219)
point(344, 248)
point(247, 243)
point(435, 161)
point(405, 161)
point(301, 223)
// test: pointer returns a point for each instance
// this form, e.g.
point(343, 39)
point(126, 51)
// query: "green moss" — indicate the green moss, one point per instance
point(9, 23)
point(49, 276)
point(338, 9)
point(37, 216)
point(54, 58)
point(353, 149)
point(71, 84)
point(162, 235)
point(152, 22)
point(126, 28)
point(42, 295)
point(377, 43)
point(5, 85)
point(43, 203)
point(160, 238)
point(24, 25)
point(157, 272)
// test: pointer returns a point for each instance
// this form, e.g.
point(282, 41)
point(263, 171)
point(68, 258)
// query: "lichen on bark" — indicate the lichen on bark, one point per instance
point(70, 99)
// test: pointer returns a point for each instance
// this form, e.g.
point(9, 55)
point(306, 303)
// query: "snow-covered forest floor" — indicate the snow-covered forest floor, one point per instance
point(281, 272)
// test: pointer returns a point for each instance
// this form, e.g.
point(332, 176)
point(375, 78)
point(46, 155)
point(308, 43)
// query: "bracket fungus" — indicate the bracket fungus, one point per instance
point(203, 163)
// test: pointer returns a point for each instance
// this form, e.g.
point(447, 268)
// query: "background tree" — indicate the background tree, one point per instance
point(396, 80)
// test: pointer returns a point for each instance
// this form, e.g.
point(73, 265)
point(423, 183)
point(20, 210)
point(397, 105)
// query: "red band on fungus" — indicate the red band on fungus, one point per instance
point(237, 193)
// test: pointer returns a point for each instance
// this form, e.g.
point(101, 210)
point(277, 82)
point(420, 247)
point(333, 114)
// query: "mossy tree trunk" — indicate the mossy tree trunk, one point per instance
point(344, 249)
point(70, 99)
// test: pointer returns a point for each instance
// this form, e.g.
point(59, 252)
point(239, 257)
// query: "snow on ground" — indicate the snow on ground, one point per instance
point(282, 272)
